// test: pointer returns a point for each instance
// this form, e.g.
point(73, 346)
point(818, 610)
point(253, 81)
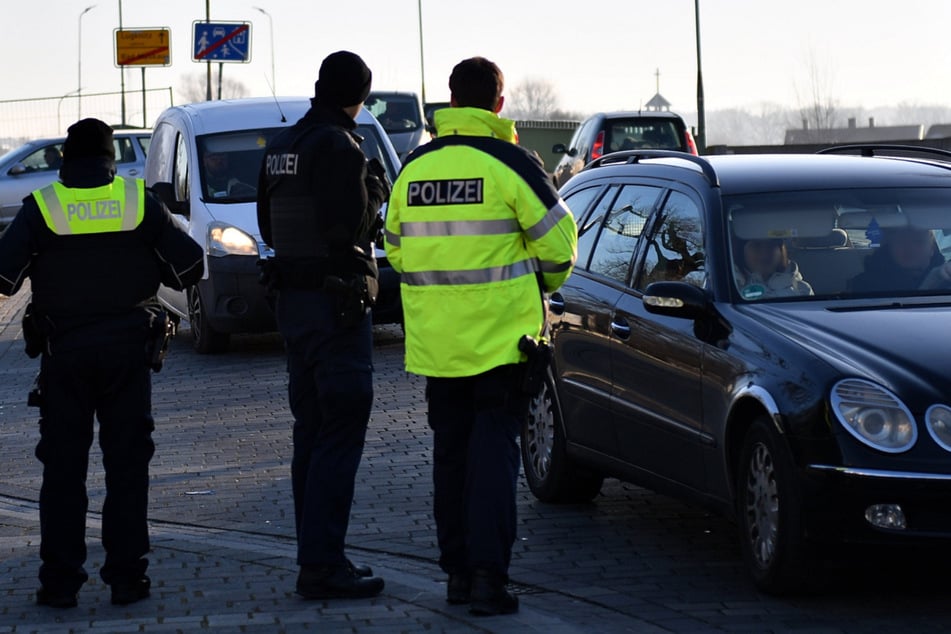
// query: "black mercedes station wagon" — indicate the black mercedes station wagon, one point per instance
point(766, 335)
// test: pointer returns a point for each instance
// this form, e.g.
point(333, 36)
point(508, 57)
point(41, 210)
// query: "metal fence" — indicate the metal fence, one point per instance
point(25, 119)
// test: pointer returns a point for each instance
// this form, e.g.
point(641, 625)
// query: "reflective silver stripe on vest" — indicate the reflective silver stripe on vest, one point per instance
point(130, 214)
point(55, 210)
point(443, 228)
point(392, 238)
point(548, 222)
point(473, 276)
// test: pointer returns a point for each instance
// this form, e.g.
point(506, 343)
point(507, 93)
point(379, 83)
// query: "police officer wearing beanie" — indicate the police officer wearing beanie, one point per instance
point(318, 207)
point(95, 247)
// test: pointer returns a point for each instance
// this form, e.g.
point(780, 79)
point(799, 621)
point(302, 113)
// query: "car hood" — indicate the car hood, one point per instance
point(906, 347)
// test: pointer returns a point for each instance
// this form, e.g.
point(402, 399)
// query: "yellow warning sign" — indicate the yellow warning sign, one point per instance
point(143, 47)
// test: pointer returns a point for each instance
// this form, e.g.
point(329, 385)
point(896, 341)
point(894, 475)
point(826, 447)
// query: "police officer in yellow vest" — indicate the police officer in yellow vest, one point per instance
point(95, 247)
point(477, 232)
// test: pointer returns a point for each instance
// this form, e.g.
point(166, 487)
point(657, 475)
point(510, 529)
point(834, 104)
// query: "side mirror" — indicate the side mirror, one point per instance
point(17, 169)
point(166, 193)
point(676, 299)
point(559, 148)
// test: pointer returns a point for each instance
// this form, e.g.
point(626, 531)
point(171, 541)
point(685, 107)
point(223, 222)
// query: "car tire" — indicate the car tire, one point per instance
point(550, 474)
point(205, 339)
point(768, 505)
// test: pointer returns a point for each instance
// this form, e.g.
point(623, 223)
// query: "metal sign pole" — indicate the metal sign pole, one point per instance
point(122, 70)
point(208, 63)
point(144, 119)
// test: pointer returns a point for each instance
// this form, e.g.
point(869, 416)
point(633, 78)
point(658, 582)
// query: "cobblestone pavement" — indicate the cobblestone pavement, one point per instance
point(222, 528)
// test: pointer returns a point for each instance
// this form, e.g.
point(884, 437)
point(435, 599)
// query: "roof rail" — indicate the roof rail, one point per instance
point(883, 149)
point(635, 156)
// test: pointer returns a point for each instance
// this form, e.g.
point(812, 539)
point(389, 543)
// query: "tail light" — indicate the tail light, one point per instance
point(691, 144)
point(598, 148)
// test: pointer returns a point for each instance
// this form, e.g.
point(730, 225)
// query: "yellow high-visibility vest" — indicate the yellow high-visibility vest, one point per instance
point(473, 226)
point(119, 206)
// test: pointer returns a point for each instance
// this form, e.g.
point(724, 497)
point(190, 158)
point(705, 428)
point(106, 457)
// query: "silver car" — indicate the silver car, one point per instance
point(35, 164)
point(401, 115)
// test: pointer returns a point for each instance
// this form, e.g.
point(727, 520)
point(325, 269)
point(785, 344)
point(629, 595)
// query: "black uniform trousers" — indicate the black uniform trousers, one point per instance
point(476, 422)
point(113, 384)
point(330, 390)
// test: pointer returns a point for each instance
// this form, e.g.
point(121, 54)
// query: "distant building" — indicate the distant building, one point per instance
point(658, 103)
point(854, 134)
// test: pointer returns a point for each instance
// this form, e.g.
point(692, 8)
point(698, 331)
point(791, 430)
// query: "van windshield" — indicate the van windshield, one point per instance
point(229, 163)
point(396, 113)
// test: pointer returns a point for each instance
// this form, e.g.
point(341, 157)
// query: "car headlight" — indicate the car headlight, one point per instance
point(874, 415)
point(938, 422)
point(228, 240)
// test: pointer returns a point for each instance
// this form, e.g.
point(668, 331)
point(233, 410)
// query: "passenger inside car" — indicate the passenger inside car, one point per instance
point(763, 270)
point(907, 260)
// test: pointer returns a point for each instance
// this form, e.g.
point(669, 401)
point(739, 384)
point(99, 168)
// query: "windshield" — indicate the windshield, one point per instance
point(396, 113)
point(643, 133)
point(840, 243)
point(229, 163)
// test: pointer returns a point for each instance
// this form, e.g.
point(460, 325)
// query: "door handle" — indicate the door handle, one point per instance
point(621, 328)
point(556, 303)
point(133, 172)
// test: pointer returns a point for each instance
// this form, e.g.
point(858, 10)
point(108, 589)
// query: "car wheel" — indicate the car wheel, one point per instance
point(550, 474)
point(205, 339)
point(768, 511)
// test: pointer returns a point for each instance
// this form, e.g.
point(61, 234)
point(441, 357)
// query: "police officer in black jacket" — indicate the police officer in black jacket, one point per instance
point(95, 248)
point(318, 207)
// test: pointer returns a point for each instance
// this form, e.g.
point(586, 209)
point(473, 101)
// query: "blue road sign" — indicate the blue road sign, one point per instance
point(221, 42)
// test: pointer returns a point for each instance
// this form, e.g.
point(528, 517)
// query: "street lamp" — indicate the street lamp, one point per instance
point(701, 123)
point(270, 24)
point(79, 58)
point(422, 67)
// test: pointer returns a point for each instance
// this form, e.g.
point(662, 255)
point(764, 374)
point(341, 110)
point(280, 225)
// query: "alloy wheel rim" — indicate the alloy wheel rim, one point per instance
point(762, 506)
point(540, 434)
point(194, 314)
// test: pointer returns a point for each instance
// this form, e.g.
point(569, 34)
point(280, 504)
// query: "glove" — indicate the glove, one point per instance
point(377, 182)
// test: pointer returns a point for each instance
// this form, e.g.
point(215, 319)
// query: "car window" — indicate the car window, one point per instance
point(622, 228)
point(396, 113)
point(229, 164)
point(636, 134)
point(144, 143)
point(840, 243)
point(675, 251)
point(590, 224)
point(46, 158)
point(372, 146)
point(180, 171)
point(125, 152)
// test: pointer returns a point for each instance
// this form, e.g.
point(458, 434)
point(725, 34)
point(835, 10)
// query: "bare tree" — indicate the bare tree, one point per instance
point(817, 107)
point(192, 87)
point(532, 99)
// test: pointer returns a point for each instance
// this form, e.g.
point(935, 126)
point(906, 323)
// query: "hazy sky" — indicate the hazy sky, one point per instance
point(600, 54)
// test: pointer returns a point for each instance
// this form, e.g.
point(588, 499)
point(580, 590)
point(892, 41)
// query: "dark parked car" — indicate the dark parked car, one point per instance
point(764, 335)
point(607, 132)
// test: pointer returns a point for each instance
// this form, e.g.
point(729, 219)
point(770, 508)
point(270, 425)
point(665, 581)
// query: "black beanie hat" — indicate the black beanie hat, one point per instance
point(343, 80)
point(88, 137)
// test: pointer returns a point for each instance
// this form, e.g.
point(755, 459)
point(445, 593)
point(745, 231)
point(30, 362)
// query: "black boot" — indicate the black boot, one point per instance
point(488, 595)
point(336, 582)
point(360, 570)
point(458, 588)
point(126, 592)
point(56, 599)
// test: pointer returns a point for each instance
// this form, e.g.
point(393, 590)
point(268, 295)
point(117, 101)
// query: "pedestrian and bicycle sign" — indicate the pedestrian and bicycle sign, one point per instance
point(221, 42)
point(143, 47)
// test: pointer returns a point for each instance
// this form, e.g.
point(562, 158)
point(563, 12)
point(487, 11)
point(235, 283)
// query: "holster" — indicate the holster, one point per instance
point(353, 297)
point(161, 331)
point(35, 334)
point(539, 353)
point(269, 274)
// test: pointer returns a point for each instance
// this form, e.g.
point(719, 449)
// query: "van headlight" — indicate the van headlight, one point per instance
point(225, 239)
point(938, 422)
point(875, 416)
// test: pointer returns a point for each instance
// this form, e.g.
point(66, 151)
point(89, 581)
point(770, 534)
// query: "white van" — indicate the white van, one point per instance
point(204, 163)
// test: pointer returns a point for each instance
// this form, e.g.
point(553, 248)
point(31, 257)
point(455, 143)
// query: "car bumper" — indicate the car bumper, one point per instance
point(836, 500)
point(235, 300)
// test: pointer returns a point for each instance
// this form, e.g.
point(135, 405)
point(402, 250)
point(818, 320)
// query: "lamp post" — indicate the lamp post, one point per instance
point(701, 123)
point(270, 24)
point(422, 67)
point(59, 121)
point(79, 58)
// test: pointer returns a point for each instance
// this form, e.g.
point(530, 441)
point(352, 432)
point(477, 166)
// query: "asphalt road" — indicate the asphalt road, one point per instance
point(222, 525)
